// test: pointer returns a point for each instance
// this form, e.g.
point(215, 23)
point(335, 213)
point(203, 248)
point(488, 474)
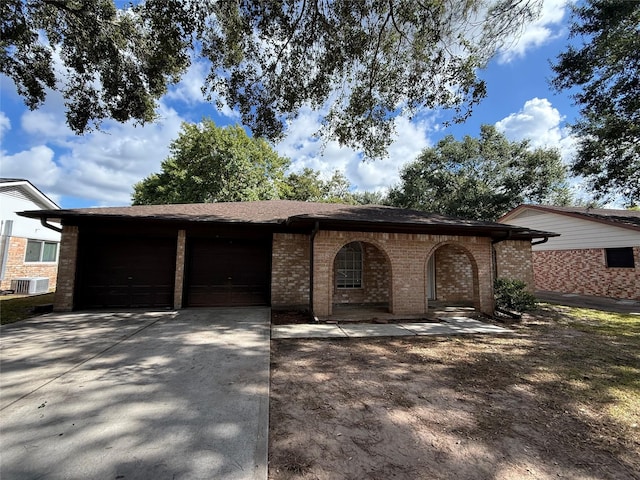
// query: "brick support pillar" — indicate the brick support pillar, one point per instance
point(484, 261)
point(180, 261)
point(67, 262)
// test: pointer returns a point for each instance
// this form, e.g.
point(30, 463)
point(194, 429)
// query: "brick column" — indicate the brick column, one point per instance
point(484, 262)
point(65, 286)
point(180, 260)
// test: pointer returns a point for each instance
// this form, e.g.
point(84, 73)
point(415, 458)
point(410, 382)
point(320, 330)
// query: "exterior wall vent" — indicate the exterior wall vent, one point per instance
point(30, 286)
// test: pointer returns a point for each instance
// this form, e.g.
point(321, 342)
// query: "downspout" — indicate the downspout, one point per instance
point(43, 221)
point(315, 230)
point(7, 228)
point(540, 242)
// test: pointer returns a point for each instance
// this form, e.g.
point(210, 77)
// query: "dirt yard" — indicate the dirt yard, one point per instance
point(558, 398)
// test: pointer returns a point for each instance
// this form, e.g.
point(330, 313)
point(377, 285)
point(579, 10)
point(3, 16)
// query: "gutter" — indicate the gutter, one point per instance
point(43, 221)
point(315, 230)
point(498, 240)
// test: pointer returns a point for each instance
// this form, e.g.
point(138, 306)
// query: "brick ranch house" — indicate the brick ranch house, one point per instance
point(285, 254)
point(597, 253)
point(28, 250)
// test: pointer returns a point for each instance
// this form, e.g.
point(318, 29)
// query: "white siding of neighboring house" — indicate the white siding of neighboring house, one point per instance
point(575, 233)
point(10, 203)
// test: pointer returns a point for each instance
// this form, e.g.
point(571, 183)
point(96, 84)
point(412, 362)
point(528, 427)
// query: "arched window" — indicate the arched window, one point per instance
point(349, 266)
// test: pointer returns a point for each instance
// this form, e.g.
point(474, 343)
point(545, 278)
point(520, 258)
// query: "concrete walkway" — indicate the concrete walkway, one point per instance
point(449, 326)
point(122, 395)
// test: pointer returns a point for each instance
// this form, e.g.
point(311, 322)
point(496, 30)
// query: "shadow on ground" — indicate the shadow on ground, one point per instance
point(531, 405)
point(126, 395)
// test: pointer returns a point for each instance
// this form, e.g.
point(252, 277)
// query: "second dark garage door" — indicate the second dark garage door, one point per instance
point(227, 272)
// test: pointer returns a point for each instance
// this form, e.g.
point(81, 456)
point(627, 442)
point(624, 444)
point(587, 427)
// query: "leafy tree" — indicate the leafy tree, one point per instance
point(371, 59)
point(606, 71)
point(309, 186)
point(212, 164)
point(370, 198)
point(479, 178)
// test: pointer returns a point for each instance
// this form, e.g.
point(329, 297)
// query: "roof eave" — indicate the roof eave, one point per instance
point(305, 223)
point(541, 208)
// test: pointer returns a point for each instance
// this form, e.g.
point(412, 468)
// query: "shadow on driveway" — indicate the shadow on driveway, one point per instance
point(122, 395)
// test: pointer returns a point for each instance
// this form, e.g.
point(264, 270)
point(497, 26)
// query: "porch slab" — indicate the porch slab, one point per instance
point(449, 326)
point(376, 330)
point(306, 331)
point(431, 328)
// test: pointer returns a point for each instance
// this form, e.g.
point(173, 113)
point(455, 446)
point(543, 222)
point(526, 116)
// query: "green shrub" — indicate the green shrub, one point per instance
point(513, 295)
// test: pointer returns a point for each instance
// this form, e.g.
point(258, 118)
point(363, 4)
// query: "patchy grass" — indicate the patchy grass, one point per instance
point(604, 323)
point(560, 397)
point(14, 308)
point(604, 366)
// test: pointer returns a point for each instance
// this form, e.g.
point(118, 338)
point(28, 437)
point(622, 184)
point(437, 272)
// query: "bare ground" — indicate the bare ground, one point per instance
point(540, 403)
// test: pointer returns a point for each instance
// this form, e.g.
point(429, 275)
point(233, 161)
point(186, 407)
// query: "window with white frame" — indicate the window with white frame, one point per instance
point(349, 266)
point(41, 251)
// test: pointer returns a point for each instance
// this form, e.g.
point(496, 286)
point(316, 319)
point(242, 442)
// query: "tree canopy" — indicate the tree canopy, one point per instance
point(366, 61)
point(480, 178)
point(213, 164)
point(309, 186)
point(208, 163)
point(605, 70)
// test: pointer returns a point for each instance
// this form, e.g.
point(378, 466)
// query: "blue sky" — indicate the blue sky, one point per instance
point(100, 168)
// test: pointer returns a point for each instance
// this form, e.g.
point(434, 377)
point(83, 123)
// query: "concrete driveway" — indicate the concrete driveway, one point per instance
point(122, 395)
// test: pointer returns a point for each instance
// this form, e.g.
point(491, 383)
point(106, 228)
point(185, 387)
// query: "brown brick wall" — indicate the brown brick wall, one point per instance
point(408, 254)
point(454, 274)
point(375, 279)
point(17, 268)
point(584, 272)
point(290, 270)
point(63, 300)
point(514, 261)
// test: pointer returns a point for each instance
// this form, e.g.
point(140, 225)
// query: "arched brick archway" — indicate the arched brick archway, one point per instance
point(375, 288)
point(455, 275)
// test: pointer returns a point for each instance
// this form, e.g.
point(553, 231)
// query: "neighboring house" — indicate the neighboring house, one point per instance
point(597, 253)
point(28, 250)
point(285, 254)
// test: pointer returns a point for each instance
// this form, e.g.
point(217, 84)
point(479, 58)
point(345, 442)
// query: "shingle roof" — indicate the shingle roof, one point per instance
point(617, 217)
point(294, 214)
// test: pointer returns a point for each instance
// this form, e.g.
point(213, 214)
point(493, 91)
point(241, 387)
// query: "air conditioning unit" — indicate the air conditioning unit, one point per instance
point(30, 286)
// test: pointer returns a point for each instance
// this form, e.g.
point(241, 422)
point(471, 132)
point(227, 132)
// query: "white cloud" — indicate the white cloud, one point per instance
point(543, 30)
point(105, 165)
point(5, 124)
point(189, 89)
point(539, 122)
point(307, 151)
point(100, 166)
point(36, 165)
point(45, 123)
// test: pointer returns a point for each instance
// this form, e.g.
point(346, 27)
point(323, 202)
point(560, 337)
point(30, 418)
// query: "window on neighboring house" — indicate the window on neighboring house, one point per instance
point(40, 251)
point(620, 257)
point(349, 266)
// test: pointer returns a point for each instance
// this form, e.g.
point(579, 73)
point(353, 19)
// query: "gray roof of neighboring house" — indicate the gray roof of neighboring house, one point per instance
point(32, 192)
point(298, 215)
point(617, 217)
point(11, 180)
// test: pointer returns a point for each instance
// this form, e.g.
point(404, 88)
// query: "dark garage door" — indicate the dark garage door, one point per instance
point(227, 272)
point(125, 272)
